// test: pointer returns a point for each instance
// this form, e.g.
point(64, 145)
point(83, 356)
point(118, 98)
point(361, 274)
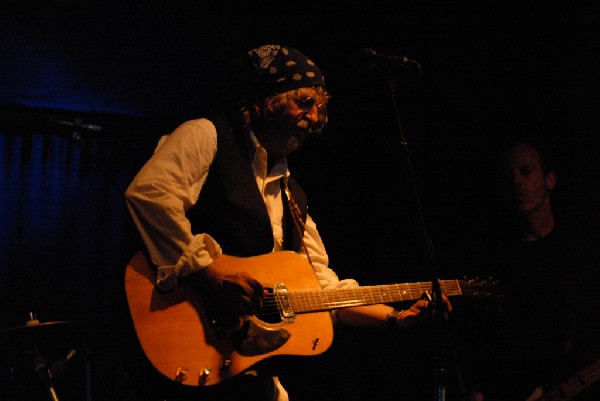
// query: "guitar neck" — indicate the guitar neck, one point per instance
point(322, 300)
point(575, 385)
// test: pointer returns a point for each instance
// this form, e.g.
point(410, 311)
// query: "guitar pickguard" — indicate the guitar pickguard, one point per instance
point(260, 339)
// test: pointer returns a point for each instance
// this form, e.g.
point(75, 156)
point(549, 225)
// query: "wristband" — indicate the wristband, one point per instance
point(392, 318)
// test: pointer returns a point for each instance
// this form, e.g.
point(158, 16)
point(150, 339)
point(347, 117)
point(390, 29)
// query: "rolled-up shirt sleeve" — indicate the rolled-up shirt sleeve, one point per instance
point(159, 196)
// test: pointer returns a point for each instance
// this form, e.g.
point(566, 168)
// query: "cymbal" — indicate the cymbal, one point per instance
point(42, 328)
point(53, 338)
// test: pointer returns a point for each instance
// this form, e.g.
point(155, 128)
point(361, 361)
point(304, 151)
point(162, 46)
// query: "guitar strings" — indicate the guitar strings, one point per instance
point(313, 300)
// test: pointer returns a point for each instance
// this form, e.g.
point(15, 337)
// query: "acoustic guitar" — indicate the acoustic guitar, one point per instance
point(185, 345)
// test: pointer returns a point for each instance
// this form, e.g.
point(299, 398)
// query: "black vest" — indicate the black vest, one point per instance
point(230, 207)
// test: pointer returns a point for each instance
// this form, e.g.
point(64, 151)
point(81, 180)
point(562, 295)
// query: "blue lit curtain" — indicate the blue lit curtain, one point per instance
point(65, 228)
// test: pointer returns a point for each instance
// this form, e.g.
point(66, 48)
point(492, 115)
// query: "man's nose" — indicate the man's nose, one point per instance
point(313, 114)
point(518, 179)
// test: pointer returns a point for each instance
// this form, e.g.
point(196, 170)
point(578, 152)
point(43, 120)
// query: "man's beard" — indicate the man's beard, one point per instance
point(296, 135)
point(308, 127)
point(288, 136)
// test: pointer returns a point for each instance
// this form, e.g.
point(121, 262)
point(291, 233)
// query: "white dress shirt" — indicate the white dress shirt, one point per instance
point(169, 184)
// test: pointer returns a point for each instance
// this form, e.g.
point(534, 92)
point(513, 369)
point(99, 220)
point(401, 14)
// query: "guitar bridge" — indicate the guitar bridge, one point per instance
point(283, 303)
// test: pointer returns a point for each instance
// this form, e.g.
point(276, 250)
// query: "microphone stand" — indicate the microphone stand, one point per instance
point(40, 366)
point(440, 321)
point(77, 127)
point(79, 141)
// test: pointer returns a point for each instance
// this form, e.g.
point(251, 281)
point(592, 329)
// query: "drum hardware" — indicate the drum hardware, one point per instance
point(33, 342)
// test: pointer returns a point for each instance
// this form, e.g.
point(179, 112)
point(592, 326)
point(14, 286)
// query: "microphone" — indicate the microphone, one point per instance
point(77, 124)
point(385, 60)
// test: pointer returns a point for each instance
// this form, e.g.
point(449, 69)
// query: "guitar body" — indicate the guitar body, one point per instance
point(183, 344)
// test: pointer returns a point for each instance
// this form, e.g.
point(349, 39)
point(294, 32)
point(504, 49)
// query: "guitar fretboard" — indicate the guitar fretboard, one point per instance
point(320, 300)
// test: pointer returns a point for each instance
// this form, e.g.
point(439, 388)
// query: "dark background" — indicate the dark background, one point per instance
point(490, 72)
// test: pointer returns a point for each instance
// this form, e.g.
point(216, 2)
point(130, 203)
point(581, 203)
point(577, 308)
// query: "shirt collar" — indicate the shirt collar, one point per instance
point(258, 155)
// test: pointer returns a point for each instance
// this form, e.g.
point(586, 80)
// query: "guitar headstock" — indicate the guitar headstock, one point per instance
point(483, 289)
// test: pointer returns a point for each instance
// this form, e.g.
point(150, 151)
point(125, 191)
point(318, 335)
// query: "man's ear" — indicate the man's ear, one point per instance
point(551, 180)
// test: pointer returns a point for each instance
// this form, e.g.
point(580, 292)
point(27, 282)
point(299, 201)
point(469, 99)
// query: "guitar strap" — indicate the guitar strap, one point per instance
point(296, 215)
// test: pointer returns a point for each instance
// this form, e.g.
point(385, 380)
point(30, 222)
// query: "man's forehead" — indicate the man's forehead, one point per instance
point(307, 91)
point(521, 155)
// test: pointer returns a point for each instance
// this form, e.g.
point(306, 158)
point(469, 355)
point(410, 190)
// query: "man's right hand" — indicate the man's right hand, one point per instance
point(229, 295)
